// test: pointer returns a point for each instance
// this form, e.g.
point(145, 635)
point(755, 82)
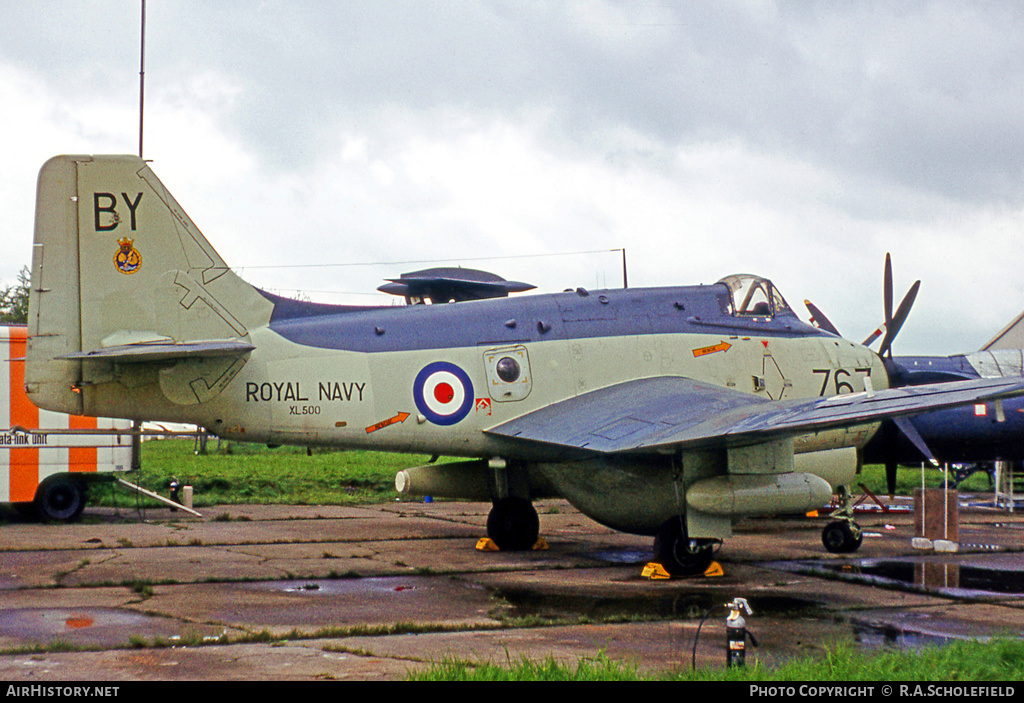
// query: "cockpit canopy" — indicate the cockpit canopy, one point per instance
point(754, 296)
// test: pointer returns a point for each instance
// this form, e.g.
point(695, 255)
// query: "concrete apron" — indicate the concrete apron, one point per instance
point(374, 592)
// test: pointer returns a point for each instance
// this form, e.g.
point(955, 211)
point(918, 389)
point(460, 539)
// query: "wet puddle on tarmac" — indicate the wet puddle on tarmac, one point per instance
point(963, 577)
point(531, 602)
point(621, 556)
point(345, 586)
point(80, 626)
point(897, 636)
point(408, 597)
point(974, 578)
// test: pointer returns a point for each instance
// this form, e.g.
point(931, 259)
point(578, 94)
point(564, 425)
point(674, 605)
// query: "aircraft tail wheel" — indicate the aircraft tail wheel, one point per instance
point(842, 537)
point(60, 499)
point(677, 553)
point(513, 524)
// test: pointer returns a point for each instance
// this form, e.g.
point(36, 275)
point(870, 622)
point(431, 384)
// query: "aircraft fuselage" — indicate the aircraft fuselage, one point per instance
point(426, 378)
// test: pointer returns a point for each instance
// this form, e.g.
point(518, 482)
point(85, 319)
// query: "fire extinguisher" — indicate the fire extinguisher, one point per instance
point(736, 632)
point(175, 494)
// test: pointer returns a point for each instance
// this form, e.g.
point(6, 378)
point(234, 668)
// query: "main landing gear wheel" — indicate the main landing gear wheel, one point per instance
point(60, 500)
point(513, 524)
point(677, 553)
point(842, 537)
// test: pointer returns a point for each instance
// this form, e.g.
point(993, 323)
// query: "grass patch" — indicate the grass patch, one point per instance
point(240, 473)
point(999, 660)
point(909, 478)
point(598, 668)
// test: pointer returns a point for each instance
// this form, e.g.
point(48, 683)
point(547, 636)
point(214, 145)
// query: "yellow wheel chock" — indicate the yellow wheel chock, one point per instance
point(655, 571)
point(486, 544)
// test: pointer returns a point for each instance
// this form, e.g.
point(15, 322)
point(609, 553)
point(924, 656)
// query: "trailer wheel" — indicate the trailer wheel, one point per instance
point(60, 499)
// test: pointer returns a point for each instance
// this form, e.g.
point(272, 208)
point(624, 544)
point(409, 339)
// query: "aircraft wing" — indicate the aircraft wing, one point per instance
point(669, 412)
point(162, 351)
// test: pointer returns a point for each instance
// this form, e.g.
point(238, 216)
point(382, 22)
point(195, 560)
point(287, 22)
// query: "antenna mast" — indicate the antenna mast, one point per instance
point(142, 74)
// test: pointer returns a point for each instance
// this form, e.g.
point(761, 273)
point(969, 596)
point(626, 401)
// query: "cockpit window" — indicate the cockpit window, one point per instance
point(753, 296)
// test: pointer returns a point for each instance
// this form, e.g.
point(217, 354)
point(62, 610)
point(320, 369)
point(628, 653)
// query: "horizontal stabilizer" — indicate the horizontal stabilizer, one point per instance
point(163, 351)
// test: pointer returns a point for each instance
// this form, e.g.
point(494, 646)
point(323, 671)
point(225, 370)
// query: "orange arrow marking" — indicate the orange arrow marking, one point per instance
point(704, 351)
point(400, 417)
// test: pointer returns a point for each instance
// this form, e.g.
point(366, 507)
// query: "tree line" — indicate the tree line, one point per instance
point(14, 300)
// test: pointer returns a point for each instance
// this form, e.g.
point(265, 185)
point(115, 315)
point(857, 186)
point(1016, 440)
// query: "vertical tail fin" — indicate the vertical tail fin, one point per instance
point(116, 261)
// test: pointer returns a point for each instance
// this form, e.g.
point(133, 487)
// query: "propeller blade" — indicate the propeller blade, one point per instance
point(889, 437)
point(873, 336)
point(890, 477)
point(887, 288)
point(899, 318)
point(886, 303)
point(911, 433)
point(818, 318)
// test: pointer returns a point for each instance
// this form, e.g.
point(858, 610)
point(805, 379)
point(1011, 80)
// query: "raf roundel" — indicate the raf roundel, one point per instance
point(443, 393)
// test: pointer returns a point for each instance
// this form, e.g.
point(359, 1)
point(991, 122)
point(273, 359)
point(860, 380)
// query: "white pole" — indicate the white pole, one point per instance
point(924, 503)
point(945, 505)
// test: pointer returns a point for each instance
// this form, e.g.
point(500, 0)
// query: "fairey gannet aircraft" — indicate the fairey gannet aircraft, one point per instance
point(668, 412)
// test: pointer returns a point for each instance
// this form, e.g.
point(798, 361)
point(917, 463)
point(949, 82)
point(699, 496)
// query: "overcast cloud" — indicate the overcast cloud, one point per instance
point(798, 140)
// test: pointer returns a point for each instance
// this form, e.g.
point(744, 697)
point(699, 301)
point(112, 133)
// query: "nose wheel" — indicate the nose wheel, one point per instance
point(843, 536)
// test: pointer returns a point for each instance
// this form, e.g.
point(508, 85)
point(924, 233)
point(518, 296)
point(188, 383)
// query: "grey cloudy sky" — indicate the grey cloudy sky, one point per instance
point(799, 140)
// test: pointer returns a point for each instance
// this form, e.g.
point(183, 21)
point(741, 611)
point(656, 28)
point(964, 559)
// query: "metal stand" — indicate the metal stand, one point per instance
point(1004, 485)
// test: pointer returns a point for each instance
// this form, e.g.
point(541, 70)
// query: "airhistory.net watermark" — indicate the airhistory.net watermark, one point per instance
point(49, 691)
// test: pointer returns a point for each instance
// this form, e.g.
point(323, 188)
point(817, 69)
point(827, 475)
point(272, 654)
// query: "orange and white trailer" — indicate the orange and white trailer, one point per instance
point(48, 459)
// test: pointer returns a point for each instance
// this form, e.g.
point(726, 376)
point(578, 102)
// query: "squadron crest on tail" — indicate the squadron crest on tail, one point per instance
point(128, 260)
